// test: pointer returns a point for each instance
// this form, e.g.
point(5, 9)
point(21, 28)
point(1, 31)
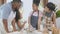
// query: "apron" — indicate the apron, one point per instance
point(48, 20)
point(34, 21)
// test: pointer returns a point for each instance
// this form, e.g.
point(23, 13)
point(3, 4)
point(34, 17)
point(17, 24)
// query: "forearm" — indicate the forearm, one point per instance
point(54, 19)
point(4, 21)
point(5, 24)
point(39, 22)
point(21, 26)
point(29, 21)
point(38, 25)
point(54, 22)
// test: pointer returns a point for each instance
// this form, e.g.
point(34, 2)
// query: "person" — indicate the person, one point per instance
point(50, 15)
point(8, 9)
point(35, 17)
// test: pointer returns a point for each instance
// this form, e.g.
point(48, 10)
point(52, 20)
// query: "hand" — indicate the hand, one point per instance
point(31, 28)
point(23, 25)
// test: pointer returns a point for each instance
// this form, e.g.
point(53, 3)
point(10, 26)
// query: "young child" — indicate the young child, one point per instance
point(34, 19)
point(49, 15)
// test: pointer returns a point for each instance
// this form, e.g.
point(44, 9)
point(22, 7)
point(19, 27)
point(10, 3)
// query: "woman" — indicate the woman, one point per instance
point(34, 19)
point(17, 17)
point(11, 10)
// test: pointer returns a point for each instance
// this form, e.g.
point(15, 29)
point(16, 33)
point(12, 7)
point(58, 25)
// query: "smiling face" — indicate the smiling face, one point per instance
point(16, 5)
point(35, 7)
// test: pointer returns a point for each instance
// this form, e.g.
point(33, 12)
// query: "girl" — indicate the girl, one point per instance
point(34, 19)
point(49, 15)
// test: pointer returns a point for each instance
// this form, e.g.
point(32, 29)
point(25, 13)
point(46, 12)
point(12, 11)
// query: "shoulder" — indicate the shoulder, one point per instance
point(30, 13)
point(6, 6)
point(54, 14)
point(40, 13)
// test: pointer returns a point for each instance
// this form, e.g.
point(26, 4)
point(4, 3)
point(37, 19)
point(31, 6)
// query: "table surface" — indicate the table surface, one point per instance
point(25, 32)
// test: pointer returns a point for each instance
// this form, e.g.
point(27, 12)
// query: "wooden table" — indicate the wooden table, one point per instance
point(54, 31)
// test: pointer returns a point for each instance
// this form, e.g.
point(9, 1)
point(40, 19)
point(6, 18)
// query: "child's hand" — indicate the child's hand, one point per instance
point(31, 28)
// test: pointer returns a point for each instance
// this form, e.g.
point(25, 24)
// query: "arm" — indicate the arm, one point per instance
point(19, 23)
point(39, 22)
point(29, 22)
point(5, 24)
point(20, 15)
point(21, 26)
point(54, 19)
point(24, 22)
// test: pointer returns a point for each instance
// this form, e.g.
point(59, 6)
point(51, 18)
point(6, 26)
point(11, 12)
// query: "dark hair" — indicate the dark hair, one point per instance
point(17, 17)
point(36, 2)
point(17, 1)
point(51, 6)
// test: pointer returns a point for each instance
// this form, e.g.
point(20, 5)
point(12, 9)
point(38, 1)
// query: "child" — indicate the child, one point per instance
point(49, 15)
point(34, 19)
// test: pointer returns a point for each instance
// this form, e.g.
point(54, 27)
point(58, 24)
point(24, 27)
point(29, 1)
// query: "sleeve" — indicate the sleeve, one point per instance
point(5, 13)
point(40, 14)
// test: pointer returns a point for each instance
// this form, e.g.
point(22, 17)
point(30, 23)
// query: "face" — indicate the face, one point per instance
point(16, 5)
point(35, 7)
point(46, 9)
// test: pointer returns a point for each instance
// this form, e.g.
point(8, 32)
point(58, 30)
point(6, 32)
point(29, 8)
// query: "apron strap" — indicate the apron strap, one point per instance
point(33, 12)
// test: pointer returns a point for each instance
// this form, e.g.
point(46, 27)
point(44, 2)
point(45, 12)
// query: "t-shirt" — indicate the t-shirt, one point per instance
point(36, 13)
point(7, 8)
